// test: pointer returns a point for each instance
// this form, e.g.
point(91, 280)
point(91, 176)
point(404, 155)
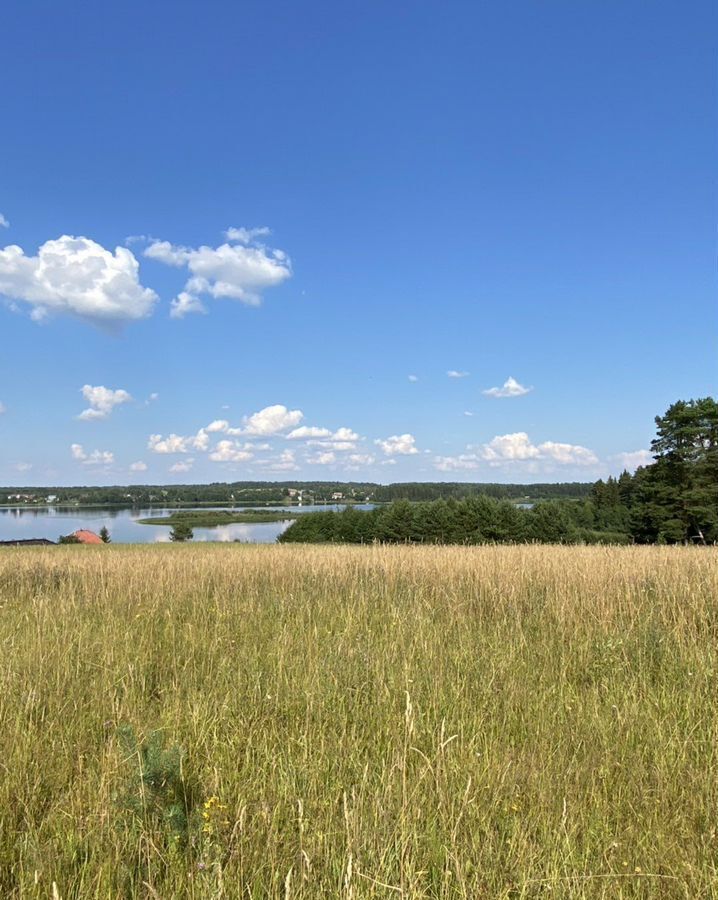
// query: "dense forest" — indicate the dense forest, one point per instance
point(674, 500)
point(474, 520)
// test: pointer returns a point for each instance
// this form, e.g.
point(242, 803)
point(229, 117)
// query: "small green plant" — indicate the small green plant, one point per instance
point(158, 792)
point(105, 535)
point(69, 539)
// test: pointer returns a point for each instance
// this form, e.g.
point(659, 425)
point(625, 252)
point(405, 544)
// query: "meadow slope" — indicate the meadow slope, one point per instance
point(359, 722)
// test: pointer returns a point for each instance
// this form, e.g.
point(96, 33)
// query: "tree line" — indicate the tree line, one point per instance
point(474, 520)
point(437, 490)
point(268, 492)
point(673, 500)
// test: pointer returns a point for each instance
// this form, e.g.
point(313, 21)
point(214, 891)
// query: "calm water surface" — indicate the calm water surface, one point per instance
point(20, 523)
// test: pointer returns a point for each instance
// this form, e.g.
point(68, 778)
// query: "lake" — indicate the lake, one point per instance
point(22, 523)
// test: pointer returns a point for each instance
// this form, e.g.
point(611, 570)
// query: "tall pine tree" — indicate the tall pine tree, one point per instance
point(676, 499)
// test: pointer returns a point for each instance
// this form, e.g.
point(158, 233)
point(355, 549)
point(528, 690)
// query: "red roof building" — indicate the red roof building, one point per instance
point(87, 537)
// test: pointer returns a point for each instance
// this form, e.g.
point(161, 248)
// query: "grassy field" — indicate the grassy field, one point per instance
point(295, 721)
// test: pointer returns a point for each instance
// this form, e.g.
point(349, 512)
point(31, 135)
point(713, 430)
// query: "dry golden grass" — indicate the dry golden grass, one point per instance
point(417, 722)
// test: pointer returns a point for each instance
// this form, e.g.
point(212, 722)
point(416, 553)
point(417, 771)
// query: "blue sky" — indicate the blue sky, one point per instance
point(315, 201)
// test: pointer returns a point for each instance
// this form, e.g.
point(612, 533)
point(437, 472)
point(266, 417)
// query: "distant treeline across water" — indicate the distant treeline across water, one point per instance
point(273, 492)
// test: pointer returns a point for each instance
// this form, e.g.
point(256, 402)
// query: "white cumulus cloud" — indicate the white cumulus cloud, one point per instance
point(268, 422)
point(240, 269)
point(361, 459)
point(79, 277)
point(517, 449)
point(341, 446)
point(102, 401)
point(510, 447)
point(272, 420)
point(175, 443)
point(456, 463)
point(305, 432)
point(345, 434)
point(219, 425)
point(184, 304)
point(96, 458)
point(342, 440)
point(231, 451)
point(182, 465)
point(398, 444)
point(567, 454)
point(322, 459)
point(510, 388)
point(138, 466)
point(632, 459)
point(285, 462)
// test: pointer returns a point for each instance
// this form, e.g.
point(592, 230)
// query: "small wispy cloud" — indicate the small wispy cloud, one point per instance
point(413, 378)
point(455, 373)
point(4, 222)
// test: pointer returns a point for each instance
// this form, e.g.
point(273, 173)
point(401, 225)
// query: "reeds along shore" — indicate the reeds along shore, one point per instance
point(359, 722)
